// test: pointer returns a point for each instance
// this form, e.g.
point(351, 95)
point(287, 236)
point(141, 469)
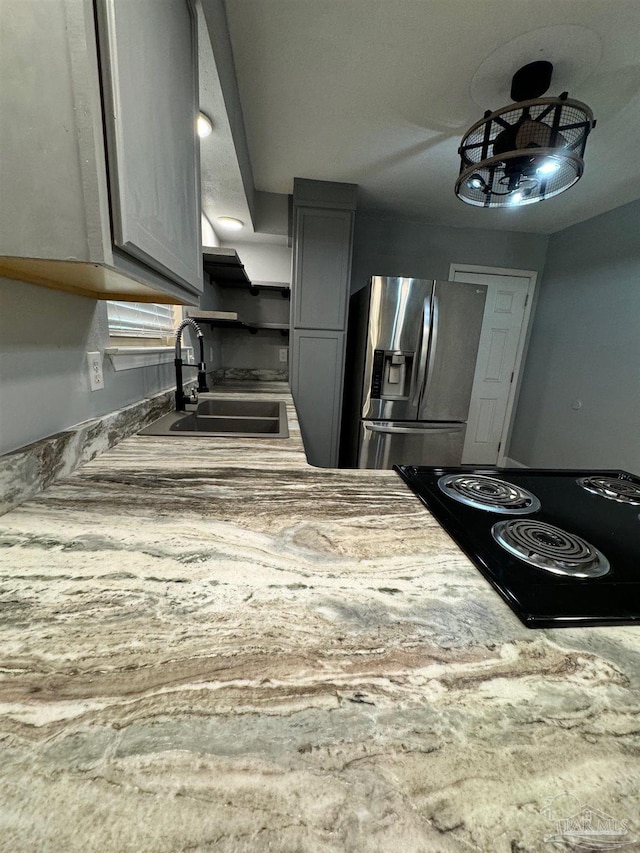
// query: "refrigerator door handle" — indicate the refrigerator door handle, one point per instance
point(383, 427)
point(424, 350)
point(434, 344)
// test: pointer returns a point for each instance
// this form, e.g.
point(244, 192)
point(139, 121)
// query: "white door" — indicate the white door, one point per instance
point(498, 361)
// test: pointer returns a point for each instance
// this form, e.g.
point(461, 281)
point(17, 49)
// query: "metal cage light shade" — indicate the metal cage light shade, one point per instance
point(524, 153)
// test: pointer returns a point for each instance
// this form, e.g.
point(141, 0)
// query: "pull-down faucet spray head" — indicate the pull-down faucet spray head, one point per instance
point(181, 398)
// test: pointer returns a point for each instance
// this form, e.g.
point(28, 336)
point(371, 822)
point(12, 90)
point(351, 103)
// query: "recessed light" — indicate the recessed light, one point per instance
point(230, 222)
point(204, 125)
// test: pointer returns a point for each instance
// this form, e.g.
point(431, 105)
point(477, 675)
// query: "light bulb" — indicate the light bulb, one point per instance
point(475, 182)
point(548, 167)
point(204, 126)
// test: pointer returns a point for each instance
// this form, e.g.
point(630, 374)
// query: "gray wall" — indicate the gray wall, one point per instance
point(231, 348)
point(265, 261)
point(238, 348)
point(44, 337)
point(579, 403)
point(243, 351)
point(409, 247)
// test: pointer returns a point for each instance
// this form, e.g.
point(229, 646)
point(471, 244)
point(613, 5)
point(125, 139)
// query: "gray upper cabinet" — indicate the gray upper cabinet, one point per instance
point(149, 118)
point(99, 175)
point(322, 262)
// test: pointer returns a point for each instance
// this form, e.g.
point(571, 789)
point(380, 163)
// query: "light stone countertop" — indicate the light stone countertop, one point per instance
point(209, 645)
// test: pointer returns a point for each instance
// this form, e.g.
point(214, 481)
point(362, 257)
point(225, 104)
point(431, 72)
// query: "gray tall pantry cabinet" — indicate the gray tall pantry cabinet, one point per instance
point(323, 217)
point(99, 176)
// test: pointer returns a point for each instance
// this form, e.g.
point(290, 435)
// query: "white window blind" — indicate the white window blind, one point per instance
point(140, 319)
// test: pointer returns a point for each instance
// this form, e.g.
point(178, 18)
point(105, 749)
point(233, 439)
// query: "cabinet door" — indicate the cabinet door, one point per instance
point(316, 384)
point(321, 267)
point(150, 87)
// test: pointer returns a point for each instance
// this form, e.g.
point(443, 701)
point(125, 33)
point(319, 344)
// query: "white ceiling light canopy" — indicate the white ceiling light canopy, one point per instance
point(230, 223)
point(204, 125)
point(528, 151)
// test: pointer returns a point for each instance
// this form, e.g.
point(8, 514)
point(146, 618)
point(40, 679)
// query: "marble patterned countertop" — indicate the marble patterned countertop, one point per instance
point(209, 645)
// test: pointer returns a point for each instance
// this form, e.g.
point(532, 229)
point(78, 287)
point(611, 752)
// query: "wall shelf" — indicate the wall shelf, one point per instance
point(253, 328)
point(226, 269)
point(274, 286)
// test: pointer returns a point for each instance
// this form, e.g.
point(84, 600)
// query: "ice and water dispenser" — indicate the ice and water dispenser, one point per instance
point(392, 371)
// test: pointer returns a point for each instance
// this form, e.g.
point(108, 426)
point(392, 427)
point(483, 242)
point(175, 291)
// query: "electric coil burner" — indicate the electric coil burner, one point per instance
point(488, 493)
point(550, 548)
point(571, 557)
point(622, 491)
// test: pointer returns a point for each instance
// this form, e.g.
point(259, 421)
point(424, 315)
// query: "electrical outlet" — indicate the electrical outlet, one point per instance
point(283, 355)
point(96, 379)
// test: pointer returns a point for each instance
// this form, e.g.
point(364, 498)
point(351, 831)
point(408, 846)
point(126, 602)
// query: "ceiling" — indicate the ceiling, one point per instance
point(379, 93)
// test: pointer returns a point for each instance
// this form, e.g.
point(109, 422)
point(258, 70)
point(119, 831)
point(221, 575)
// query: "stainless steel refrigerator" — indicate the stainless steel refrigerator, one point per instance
point(411, 358)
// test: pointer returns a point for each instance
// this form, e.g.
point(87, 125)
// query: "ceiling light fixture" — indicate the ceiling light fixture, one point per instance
point(204, 125)
point(230, 222)
point(527, 151)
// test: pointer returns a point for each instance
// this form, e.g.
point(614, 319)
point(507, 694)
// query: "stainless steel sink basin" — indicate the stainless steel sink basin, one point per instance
point(240, 408)
point(237, 426)
point(238, 418)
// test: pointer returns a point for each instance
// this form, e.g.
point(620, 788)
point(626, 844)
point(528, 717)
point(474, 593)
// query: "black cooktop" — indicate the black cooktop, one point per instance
point(589, 521)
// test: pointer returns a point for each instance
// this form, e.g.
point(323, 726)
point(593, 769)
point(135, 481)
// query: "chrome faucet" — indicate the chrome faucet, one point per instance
point(181, 398)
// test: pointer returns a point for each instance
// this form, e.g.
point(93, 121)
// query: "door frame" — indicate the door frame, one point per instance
point(523, 342)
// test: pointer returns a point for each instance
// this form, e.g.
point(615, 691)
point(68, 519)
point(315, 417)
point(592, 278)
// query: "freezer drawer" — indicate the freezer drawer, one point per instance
point(387, 443)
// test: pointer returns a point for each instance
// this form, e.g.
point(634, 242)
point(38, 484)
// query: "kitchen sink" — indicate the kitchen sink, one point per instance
point(244, 426)
point(240, 408)
point(238, 418)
